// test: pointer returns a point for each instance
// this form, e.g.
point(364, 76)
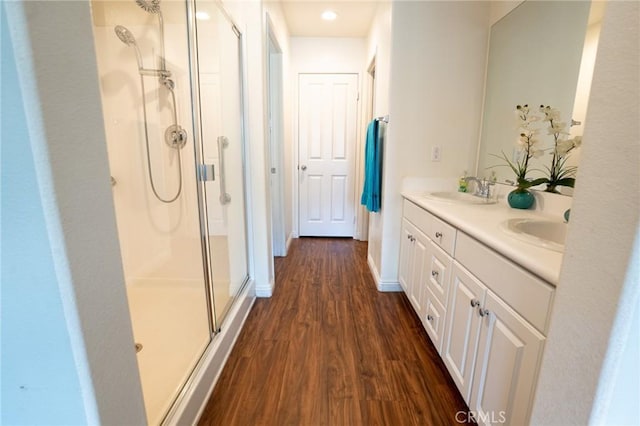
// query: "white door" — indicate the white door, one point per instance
point(327, 114)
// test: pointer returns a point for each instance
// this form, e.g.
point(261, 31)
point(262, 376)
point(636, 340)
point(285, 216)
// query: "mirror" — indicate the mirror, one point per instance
point(541, 53)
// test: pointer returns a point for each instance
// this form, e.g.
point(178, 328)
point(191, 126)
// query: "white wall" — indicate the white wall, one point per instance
point(274, 11)
point(68, 353)
point(435, 98)
point(327, 55)
point(594, 301)
point(500, 8)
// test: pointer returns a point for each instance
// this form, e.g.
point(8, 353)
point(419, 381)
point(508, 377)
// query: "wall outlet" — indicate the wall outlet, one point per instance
point(435, 153)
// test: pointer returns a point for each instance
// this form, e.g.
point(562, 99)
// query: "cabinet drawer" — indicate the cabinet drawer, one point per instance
point(437, 274)
point(526, 294)
point(434, 319)
point(440, 232)
point(443, 235)
point(418, 216)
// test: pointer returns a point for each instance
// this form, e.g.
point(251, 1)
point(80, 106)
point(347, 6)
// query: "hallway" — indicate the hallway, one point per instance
point(329, 349)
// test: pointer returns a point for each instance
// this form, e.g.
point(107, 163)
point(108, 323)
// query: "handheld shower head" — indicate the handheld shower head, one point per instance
point(125, 35)
point(151, 6)
point(127, 38)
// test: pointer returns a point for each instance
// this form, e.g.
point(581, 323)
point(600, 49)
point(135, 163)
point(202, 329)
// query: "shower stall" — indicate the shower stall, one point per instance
point(171, 85)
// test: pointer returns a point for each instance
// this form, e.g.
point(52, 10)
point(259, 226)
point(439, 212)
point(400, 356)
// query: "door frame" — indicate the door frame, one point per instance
point(361, 226)
point(275, 138)
point(357, 180)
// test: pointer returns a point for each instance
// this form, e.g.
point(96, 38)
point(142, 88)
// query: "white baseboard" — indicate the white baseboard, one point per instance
point(382, 286)
point(195, 395)
point(265, 290)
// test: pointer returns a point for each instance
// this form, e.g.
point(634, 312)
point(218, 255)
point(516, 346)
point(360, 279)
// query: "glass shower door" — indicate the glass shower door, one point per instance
point(220, 75)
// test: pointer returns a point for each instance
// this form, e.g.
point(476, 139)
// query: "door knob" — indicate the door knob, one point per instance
point(303, 167)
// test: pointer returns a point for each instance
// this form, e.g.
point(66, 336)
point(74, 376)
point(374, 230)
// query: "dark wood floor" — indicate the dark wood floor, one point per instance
point(329, 349)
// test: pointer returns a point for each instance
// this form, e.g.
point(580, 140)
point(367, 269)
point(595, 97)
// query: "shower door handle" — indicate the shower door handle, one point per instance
point(223, 142)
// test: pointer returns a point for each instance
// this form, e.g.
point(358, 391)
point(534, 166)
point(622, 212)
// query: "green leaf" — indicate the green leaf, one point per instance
point(539, 181)
point(570, 182)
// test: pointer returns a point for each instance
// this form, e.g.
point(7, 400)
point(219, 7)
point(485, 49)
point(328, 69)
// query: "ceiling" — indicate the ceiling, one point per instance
point(354, 18)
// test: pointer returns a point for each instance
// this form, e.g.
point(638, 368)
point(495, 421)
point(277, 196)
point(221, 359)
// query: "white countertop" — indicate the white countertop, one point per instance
point(482, 222)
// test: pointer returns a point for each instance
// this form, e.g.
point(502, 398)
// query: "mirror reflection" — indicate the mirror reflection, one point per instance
point(541, 53)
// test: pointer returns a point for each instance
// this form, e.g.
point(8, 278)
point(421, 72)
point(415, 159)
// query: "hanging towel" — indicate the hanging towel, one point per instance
point(372, 169)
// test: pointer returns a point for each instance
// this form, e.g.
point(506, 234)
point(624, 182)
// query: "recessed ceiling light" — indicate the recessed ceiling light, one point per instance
point(202, 16)
point(329, 15)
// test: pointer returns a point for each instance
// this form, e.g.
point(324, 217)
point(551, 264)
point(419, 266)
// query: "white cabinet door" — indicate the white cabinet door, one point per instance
point(507, 365)
point(434, 319)
point(419, 273)
point(463, 327)
point(406, 255)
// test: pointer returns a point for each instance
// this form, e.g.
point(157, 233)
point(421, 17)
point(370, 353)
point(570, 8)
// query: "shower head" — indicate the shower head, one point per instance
point(127, 38)
point(125, 35)
point(151, 6)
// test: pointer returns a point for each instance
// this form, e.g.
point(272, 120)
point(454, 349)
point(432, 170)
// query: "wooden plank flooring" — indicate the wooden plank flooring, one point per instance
point(329, 349)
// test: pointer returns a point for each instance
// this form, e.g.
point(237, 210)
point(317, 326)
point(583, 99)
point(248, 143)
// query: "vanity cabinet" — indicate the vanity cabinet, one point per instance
point(486, 316)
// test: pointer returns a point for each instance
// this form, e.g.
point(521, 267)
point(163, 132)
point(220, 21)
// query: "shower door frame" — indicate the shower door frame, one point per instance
point(215, 323)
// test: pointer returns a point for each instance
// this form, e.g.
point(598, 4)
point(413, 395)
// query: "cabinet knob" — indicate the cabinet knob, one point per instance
point(408, 236)
point(434, 274)
point(483, 312)
point(429, 317)
point(413, 239)
point(475, 303)
point(438, 234)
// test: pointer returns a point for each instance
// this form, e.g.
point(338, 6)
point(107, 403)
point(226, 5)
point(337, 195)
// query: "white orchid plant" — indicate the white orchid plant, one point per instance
point(559, 173)
point(527, 142)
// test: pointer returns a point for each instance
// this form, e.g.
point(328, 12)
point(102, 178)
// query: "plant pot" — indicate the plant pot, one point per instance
point(520, 199)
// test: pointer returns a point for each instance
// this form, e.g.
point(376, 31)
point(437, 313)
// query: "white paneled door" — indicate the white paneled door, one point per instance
point(327, 118)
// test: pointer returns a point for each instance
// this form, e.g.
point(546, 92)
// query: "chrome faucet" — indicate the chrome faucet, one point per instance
point(482, 187)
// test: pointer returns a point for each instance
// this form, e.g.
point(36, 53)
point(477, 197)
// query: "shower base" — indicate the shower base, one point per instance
point(169, 319)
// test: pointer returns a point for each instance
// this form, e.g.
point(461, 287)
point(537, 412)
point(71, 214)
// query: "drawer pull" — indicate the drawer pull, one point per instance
point(429, 317)
point(438, 234)
point(475, 303)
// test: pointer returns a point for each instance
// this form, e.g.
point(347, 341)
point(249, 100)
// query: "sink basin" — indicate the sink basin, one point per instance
point(458, 197)
point(544, 233)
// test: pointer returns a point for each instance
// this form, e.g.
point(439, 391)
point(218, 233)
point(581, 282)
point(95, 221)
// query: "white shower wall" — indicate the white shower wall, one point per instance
point(157, 240)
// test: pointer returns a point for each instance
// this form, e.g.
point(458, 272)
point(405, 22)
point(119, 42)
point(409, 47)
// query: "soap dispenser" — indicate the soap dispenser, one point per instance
point(462, 183)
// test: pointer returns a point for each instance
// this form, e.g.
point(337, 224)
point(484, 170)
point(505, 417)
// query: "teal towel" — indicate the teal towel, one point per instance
point(372, 169)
